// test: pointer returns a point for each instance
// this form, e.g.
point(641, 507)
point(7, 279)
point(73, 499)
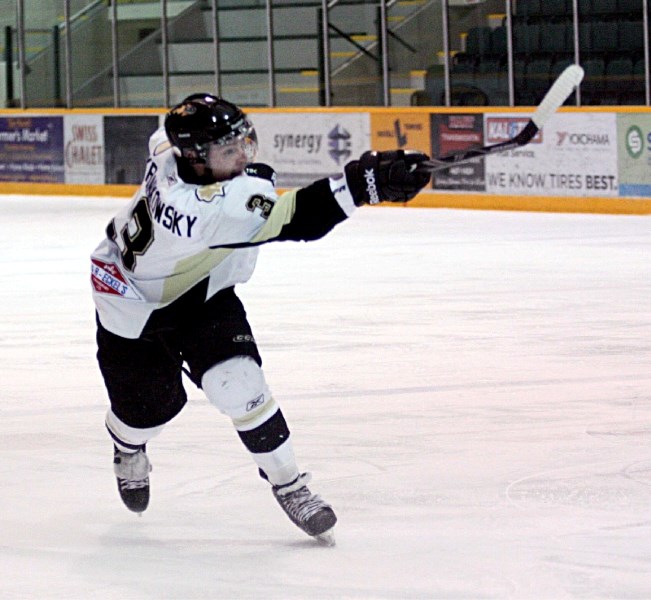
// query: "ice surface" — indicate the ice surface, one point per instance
point(471, 390)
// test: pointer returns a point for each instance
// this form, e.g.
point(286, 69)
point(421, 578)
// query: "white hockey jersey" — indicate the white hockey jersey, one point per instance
point(174, 234)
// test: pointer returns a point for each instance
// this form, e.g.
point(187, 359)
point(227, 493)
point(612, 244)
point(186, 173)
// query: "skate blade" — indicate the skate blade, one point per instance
point(327, 538)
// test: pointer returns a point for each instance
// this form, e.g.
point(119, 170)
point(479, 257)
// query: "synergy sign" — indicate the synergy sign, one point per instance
point(304, 147)
point(575, 155)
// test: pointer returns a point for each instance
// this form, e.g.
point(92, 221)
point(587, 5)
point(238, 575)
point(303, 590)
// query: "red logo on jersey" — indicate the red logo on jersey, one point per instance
point(107, 278)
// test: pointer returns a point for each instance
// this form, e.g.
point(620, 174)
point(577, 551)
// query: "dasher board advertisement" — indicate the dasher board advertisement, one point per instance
point(634, 141)
point(574, 155)
point(453, 133)
point(31, 149)
point(400, 130)
point(304, 147)
point(83, 138)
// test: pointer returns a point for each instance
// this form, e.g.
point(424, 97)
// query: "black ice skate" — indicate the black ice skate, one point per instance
point(132, 473)
point(307, 510)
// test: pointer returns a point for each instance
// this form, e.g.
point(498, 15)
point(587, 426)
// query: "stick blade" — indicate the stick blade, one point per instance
point(560, 91)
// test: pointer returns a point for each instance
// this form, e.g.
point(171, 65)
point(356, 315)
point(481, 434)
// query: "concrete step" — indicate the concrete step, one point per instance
point(246, 89)
point(243, 54)
point(246, 54)
point(147, 11)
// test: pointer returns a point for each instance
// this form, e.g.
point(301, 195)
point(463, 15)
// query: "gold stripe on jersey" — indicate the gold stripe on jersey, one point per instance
point(191, 270)
point(162, 147)
point(281, 214)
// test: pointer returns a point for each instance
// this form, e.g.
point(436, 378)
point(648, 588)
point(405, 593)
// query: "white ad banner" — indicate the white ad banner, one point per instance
point(574, 155)
point(83, 139)
point(305, 146)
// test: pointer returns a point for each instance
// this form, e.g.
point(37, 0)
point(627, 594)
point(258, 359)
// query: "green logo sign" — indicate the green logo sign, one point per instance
point(634, 141)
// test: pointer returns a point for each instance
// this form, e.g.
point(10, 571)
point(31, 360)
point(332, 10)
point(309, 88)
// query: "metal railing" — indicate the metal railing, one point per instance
point(382, 52)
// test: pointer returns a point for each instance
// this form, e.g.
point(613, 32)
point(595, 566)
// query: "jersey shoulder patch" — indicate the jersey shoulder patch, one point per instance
point(261, 171)
point(208, 193)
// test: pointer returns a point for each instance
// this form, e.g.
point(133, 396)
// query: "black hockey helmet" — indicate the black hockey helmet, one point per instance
point(203, 119)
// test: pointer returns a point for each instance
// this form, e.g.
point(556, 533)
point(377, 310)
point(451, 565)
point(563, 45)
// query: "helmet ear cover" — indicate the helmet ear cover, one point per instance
point(203, 119)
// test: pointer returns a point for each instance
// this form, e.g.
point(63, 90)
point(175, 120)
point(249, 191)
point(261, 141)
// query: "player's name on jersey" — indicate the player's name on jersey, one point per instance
point(176, 222)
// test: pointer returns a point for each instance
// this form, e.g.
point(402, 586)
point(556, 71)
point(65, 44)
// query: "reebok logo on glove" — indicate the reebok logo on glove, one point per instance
point(388, 176)
point(371, 187)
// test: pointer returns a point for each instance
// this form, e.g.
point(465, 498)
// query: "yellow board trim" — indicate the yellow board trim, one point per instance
point(558, 204)
point(67, 189)
point(561, 204)
point(297, 90)
point(331, 109)
point(81, 111)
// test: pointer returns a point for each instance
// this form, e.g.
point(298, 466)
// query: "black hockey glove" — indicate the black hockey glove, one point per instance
point(391, 176)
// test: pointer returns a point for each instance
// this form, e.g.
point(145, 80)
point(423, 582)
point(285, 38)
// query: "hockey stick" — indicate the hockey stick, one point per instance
point(559, 92)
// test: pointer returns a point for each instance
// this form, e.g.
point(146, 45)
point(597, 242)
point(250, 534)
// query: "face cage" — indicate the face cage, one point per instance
point(245, 133)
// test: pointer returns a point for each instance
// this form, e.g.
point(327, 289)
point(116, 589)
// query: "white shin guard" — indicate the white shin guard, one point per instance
point(278, 465)
point(128, 438)
point(237, 387)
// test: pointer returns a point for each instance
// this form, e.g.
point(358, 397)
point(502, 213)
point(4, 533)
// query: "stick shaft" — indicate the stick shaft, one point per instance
point(553, 100)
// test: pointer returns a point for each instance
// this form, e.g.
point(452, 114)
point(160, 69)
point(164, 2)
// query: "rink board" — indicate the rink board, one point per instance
point(591, 159)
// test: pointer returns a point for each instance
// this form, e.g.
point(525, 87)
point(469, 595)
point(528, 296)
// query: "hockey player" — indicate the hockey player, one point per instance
point(163, 284)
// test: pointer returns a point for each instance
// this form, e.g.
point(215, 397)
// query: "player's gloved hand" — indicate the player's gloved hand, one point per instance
point(391, 176)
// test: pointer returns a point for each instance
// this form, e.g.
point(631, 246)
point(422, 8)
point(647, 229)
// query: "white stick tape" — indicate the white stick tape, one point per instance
point(557, 94)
